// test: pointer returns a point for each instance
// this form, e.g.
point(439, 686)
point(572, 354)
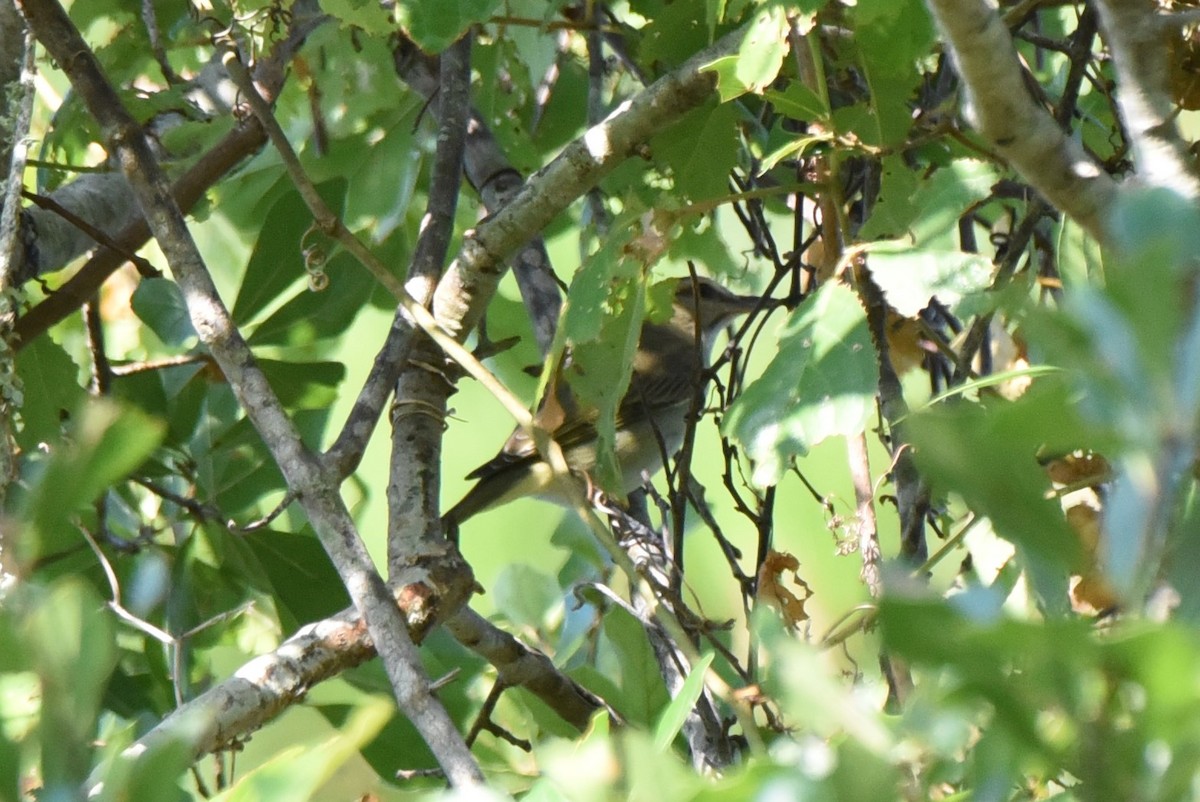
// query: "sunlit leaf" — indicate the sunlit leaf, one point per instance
point(670, 721)
point(820, 384)
point(436, 26)
point(910, 278)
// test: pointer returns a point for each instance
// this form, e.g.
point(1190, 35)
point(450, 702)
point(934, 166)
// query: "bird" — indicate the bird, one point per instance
point(651, 419)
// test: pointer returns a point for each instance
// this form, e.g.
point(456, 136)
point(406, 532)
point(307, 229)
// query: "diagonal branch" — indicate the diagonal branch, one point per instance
point(472, 278)
point(269, 684)
point(1134, 35)
point(303, 470)
point(1004, 112)
point(497, 182)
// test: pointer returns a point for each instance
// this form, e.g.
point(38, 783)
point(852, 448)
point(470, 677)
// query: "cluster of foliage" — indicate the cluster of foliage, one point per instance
point(940, 539)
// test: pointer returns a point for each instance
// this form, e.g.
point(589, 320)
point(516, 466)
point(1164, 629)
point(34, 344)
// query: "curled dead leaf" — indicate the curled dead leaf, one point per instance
point(773, 592)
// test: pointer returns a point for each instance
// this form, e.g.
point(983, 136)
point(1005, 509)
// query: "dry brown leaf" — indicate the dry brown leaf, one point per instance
point(772, 591)
point(1090, 591)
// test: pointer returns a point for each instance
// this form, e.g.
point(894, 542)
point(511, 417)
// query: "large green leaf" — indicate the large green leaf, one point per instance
point(910, 277)
point(310, 315)
point(277, 261)
point(821, 383)
point(301, 576)
point(700, 150)
point(160, 305)
point(894, 36)
point(601, 323)
point(436, 26)
point(632, 662)
point(106, 441)
point(50, 387)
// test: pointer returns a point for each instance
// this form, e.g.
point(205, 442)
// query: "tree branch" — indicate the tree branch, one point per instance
point(1134, 35)
point(303, 471)
point(519, 665)
point(497, 182)
point(267, 685)
point(472, 278)
point(1001, 107)
point(419, 415)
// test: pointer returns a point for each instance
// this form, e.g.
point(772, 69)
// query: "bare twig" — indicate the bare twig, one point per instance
point(145, 269)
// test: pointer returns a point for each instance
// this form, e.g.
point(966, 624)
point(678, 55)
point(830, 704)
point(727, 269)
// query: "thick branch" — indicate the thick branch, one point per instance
point(472, 277)
point(303, 471)
point(518, 665)
point(497, 182)
point(418, 419)
point(1004, 112)
point(211, 167)
point(1135, 39)
point(269, 684)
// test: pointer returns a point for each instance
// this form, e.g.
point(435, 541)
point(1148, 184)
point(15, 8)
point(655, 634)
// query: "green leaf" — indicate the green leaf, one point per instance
point(673, 33)
point(670, 721)
point(910, 278)
point(631, 661)
point(798, 102)
point(893, 37)
point(106, 441)
point(760, 54)
point(50, 387)
point(601, 368)
point(601, 322)
point(927, 211)
point(436, 26)
point(821, 383)
point(365, 14)
point(277, 261)
point(700, 150)
point(159, 304)
point(301, 576)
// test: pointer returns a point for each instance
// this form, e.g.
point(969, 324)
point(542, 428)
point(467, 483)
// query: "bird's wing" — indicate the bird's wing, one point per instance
point(571, 424)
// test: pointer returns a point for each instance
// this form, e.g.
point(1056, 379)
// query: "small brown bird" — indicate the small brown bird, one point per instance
point(650, 416)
